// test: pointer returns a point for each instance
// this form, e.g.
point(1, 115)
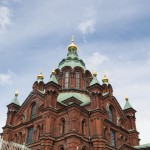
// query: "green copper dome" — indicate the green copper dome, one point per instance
point(94, 80)
point(72, 59)
point(83, 98)
point(127, 104)
point(15, 100)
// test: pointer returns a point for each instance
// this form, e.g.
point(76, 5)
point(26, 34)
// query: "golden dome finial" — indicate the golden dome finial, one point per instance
point(94, 72)
point(105, 79)
point(53, 71)
point(72, 45)
point(40, 76)
point(126, 98)
point(16, 93)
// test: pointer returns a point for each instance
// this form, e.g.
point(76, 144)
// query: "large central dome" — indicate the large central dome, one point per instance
point(72, 59)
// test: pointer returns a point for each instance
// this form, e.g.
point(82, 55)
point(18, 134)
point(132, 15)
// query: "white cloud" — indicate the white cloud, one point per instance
point(4, 17)
point(87, 26)
point(95, 60)
point(6, 79)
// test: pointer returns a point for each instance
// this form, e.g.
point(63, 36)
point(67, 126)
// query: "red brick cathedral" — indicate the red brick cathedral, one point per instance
point(72, 111)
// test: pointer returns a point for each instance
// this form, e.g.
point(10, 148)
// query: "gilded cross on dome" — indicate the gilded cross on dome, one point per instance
point(72, 45)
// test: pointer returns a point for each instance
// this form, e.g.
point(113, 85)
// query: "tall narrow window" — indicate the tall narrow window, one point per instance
point(110, 114)
point(33, 111)
point(66, 79)
point(38, 132)
point(16, 138)
point(112, 138)
point(30, 135)
point(77, 80)
point(83, 127)
point(62, 127)
point(20, 138)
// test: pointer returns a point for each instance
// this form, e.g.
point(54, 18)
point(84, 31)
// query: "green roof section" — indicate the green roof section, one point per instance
point(142, 146)
point(15, 100)
point(72, 59)
point(53, 79)
point(85, 99)
point(71, 63)
point(94, 81)
point(127, 104)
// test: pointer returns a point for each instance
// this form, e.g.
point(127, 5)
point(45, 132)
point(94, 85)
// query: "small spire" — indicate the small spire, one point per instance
point(15, 100)
point(127, 104)
point(126, 98)
point(105, 79)
point(53, 71)
point(72, 45)
point(94, 80)
point(40, 77)
point(94, 73)
point(16, 93)
point(72, 39)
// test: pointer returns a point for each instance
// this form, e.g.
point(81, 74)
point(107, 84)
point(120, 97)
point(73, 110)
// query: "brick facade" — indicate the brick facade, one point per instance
point(45, 123)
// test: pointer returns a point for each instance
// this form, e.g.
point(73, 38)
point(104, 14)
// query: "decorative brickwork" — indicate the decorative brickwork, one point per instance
point(73, 111)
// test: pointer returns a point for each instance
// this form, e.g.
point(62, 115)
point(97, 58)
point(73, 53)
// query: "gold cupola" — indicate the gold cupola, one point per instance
point(40, 77)
point(72, 45)
point(126, 98)
point(94, 73)
point(53, 72)
point(105, 79)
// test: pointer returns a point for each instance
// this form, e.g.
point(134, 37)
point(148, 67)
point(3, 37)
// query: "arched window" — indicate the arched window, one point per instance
point(112, 138)
point(84, 148)
point(33, 111)
point(62, 127)
point(77, 80)
point(66, 80)
point(30, 135)
point(62, 148)
point(83, 127)
point(129, 124)
point(110, 114)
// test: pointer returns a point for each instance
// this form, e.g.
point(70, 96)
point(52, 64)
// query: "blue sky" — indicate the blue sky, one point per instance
point(112, 36)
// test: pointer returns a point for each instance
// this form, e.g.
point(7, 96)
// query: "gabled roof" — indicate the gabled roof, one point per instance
point(28, 100)
point(113, 101)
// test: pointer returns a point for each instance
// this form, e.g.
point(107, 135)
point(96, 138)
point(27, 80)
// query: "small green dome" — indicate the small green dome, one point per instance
point(83, 98)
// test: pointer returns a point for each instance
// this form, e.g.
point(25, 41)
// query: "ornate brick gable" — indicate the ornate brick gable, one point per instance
point(73, 111)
